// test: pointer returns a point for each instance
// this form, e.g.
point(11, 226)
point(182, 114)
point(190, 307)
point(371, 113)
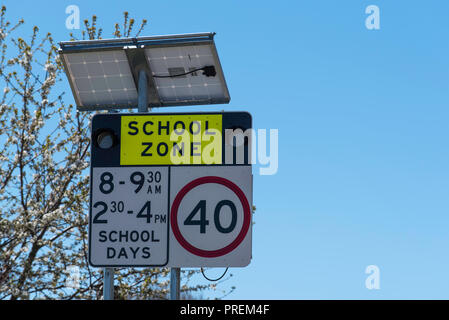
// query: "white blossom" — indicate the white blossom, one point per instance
point(50, 68)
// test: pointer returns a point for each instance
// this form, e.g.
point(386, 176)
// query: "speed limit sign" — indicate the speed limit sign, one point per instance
point(210, 216)
point(171, 189)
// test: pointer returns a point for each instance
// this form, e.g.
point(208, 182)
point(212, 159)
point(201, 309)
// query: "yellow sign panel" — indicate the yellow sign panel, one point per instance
point(171, 139)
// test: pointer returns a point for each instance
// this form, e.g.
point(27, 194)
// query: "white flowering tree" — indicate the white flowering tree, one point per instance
point(44, 184)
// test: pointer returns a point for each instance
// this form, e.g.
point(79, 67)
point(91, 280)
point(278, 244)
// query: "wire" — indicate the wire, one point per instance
point(178, 75)
point(208, 71)
point(213, 280)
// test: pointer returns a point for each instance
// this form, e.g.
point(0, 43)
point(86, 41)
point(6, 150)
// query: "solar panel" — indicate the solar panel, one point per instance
point(193, 87)
point(103, 74)
point(101, 78)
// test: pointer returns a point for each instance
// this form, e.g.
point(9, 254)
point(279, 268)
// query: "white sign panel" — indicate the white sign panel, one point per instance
point(210, 216)
point(146, 209)
point(129, 216)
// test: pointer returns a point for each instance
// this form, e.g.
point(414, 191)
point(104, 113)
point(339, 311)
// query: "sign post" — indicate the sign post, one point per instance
point(108, 284)
point(175, 279)
point(171, 190)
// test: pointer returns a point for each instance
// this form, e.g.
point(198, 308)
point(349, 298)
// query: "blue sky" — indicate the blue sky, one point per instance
point(363, 135)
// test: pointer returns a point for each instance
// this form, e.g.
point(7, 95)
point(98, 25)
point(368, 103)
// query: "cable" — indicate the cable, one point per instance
point(178, 75)
point(209, 71)
point(213, 280)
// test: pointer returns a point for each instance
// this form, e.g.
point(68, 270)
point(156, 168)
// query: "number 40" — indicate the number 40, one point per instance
point(203, 222)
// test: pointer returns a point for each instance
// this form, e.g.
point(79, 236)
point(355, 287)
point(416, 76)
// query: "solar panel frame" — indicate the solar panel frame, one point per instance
point(84, 46)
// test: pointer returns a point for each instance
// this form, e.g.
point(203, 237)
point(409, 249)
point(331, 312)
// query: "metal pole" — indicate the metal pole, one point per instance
point(175, 281)
point(175, 273)
point(142, 102)
point(108, 284)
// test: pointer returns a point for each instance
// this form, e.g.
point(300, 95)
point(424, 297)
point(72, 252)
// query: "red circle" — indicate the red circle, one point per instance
point(246, 217)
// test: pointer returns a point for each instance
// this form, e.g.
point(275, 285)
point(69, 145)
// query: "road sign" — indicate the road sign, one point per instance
point(161, 139)
point(170, 190)
point(129, 216)
point(210, 216)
